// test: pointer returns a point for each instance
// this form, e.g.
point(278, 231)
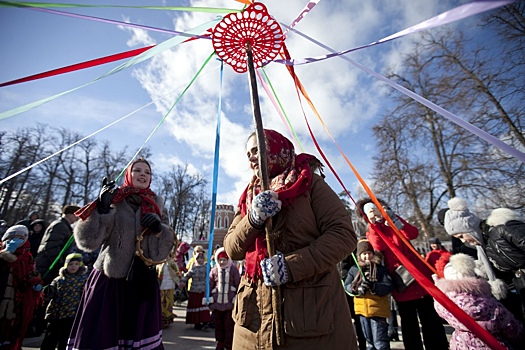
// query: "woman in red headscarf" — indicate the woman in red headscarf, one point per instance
point(120, 305)
point(313, 233)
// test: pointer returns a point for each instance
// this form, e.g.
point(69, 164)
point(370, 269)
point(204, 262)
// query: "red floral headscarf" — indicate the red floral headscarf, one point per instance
point(290, 176)
point(147, 206)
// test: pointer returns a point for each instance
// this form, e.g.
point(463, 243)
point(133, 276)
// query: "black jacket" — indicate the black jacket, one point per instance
point(506, 246)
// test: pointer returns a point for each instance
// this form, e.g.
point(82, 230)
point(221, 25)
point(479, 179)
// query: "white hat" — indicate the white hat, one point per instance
point(16, 231)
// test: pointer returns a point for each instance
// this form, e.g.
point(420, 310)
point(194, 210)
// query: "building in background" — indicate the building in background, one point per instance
point(223, 218)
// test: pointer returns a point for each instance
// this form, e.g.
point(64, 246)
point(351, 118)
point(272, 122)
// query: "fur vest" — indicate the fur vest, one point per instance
point(116, 234)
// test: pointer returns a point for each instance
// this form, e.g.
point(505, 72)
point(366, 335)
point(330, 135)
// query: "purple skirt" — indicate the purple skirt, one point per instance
point(119, 314)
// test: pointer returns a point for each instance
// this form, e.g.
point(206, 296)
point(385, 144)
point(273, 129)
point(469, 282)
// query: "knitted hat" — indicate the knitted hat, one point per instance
point(73, 257)
point(70, 209)
point(458, 219)
point(364, 246)
point(222, 255)
point(19, 231)
point(460, 266)
point(434, 240)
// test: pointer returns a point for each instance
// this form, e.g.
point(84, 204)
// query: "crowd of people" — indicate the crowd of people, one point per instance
point(291, 273)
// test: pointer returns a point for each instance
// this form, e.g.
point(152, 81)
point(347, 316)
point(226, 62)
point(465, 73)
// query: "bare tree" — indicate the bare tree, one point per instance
point(20, 194)
point(423, 158)
point(182, 189)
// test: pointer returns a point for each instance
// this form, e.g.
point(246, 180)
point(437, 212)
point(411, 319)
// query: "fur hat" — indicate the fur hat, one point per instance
point(70, 209)
point(19, 231)
point(458, 219)
point(73, 257)
point(501, 216)
point(363, 246)
point(459, 267)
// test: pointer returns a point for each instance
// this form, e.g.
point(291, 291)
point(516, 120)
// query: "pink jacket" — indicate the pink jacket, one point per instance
point(473, 295)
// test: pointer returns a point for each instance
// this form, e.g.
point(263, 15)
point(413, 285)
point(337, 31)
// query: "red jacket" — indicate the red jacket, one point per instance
point(414, 291)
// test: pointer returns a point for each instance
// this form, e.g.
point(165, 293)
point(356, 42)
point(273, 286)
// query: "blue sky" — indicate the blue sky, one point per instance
point(349, 101)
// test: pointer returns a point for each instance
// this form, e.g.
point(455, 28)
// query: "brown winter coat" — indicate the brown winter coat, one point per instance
point(314, 234)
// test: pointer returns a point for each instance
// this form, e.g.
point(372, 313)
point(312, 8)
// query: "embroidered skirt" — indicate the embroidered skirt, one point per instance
point(196, 312)
point(167, 300)
point(119, 314)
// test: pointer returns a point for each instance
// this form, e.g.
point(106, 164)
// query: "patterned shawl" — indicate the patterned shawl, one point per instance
point(148, 204)
point(290, 176)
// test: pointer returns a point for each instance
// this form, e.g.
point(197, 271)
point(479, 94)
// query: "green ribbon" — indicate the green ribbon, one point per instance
point(166, 8)
point(167, 113)
point(282, 109)
point(168, 44)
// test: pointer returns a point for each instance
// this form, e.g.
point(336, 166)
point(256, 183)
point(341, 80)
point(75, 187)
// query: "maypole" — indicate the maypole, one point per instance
point(245, 41)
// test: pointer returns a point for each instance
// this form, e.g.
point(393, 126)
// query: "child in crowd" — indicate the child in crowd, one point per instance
point(370, 284)
point(224, 281)
point(64, 292)
point(20, 287)
point(197, 313)
point(474, 296)
point(169, 277)
point(438, 256)
point(196, 251)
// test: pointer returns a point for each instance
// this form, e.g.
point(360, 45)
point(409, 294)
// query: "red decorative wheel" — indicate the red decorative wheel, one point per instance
point(254, 26)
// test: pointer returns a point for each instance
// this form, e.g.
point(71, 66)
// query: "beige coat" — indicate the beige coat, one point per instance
point(315, 234)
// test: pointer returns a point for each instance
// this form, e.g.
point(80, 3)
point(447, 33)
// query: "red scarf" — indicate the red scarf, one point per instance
point(290, 177)
point(148, 204)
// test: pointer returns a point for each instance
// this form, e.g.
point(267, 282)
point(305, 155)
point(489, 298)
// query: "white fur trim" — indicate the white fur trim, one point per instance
point(501, 216)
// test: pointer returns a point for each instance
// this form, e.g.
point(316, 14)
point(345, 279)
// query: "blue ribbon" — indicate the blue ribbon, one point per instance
point(214, 186)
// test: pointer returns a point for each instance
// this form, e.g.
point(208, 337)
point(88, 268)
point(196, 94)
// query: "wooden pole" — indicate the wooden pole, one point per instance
point(263, 175)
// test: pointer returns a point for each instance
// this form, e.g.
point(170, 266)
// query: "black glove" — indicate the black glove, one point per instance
point(151, 221)
point(106, 195)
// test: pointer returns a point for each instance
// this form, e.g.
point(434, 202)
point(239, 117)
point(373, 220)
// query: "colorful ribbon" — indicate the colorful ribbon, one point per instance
point(137, 59)
point(164, 8)
point(428, 285)
point(79, 66)
point(214, 186)
point(166, 115)
point(450, 16)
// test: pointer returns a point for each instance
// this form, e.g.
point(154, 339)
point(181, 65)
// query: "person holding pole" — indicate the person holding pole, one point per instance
point(312, 232)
